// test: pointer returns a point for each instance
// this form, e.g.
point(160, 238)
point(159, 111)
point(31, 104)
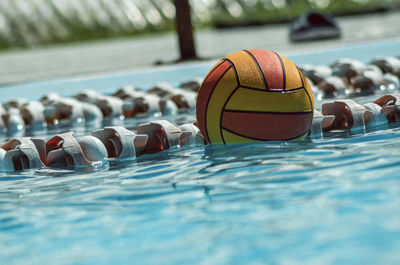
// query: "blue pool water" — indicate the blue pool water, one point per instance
point(334, 200)
point(328, 201)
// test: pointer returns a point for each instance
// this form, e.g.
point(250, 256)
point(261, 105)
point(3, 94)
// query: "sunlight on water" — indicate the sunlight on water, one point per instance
point(333, 200)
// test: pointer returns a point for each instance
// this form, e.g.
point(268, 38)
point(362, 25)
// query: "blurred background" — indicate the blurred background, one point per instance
point(27, 23)
point(145, 30)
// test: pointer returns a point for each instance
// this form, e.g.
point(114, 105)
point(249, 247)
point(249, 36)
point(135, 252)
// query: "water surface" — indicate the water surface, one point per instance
point(323, 201)
point(334, 200)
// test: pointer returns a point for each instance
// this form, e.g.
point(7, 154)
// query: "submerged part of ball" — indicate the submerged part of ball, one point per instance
point(254, 95)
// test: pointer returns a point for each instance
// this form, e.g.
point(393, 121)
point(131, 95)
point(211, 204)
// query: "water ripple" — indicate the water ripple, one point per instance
point(314, 202)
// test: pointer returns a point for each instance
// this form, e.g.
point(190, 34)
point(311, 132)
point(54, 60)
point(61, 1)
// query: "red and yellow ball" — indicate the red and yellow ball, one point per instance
point(254, 95)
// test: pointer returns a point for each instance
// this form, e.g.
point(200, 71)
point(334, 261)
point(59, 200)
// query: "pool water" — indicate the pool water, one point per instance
point(328, 201)
point(334, 200)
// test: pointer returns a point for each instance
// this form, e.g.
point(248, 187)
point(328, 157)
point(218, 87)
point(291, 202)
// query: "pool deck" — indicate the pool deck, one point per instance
point(132, 54)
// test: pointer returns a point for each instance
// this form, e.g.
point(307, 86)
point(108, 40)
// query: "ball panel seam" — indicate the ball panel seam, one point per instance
point(252, 100)
point(303, 83)
point(234, 68)
point(252, 139)
point(225, 86)
point(246, 69)
point(205, 93)
point(271, 68)
point(259, 68)
point(269, 112)
point(241, 135)
point(213, 69)
point(283, 71)
point(223, 110)
point(230, 95)
point(234, 138)
point(292, 78)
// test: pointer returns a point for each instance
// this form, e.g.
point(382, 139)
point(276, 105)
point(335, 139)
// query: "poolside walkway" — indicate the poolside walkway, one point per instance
point(134, 53)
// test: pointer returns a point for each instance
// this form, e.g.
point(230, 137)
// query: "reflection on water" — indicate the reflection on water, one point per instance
point(333, 200)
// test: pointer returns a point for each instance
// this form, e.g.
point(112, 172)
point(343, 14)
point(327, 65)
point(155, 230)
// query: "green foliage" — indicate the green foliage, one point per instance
point(262, 14)
point(71, 27)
